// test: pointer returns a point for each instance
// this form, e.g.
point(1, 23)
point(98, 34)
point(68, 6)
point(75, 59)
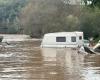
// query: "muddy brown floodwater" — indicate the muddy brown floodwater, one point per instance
point(27, 61)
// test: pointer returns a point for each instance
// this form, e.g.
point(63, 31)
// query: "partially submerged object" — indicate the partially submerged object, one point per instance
point(1, 38)
point(82, 50)
point(97, 47)
point(86, 42)
point(63, 39)
point(85, 49)
point(14, 37)
point(88, 50)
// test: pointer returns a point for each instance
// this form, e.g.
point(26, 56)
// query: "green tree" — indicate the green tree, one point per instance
point(92, 3)
point(43, 16)
point(9, 12)
point(90, 22)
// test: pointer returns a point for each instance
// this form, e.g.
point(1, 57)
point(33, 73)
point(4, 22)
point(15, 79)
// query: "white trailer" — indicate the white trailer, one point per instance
point(62, 39)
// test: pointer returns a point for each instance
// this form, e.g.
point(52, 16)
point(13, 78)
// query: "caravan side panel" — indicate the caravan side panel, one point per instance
point(63, 39)
point(79, 38)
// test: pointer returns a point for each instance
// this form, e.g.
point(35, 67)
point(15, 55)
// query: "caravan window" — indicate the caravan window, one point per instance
point(60, 39)
point(73, 39)
point(80, 37)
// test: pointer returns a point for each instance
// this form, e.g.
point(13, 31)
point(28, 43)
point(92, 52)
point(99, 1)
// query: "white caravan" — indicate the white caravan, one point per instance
point(63, 39)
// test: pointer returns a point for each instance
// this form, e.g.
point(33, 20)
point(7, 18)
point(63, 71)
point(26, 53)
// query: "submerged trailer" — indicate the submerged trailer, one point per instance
point(62, 39)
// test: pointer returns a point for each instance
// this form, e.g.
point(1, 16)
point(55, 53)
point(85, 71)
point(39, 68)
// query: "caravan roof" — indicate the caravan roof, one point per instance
point(63, 34)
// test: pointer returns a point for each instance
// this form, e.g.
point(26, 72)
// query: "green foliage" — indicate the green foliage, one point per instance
point(90, 22)
point(44, 16)
point(95, 3)
point(9, 11)
point(5, 2)
point(37, 17)
point(92, 3)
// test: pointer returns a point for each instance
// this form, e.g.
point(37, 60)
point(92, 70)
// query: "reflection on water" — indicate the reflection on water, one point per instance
point(26, 61)
point(91, 68)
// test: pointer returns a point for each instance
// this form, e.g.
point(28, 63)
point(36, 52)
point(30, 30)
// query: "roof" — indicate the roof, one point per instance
point(62, 33)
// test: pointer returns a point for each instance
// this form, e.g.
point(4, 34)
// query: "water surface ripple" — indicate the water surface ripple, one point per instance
point(26, 61)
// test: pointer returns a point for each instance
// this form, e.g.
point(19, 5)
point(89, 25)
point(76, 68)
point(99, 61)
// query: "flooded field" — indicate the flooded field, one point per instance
point(26, 61)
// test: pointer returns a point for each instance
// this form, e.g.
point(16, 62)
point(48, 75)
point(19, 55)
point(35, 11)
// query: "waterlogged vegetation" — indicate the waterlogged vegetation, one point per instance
point(37, 17)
